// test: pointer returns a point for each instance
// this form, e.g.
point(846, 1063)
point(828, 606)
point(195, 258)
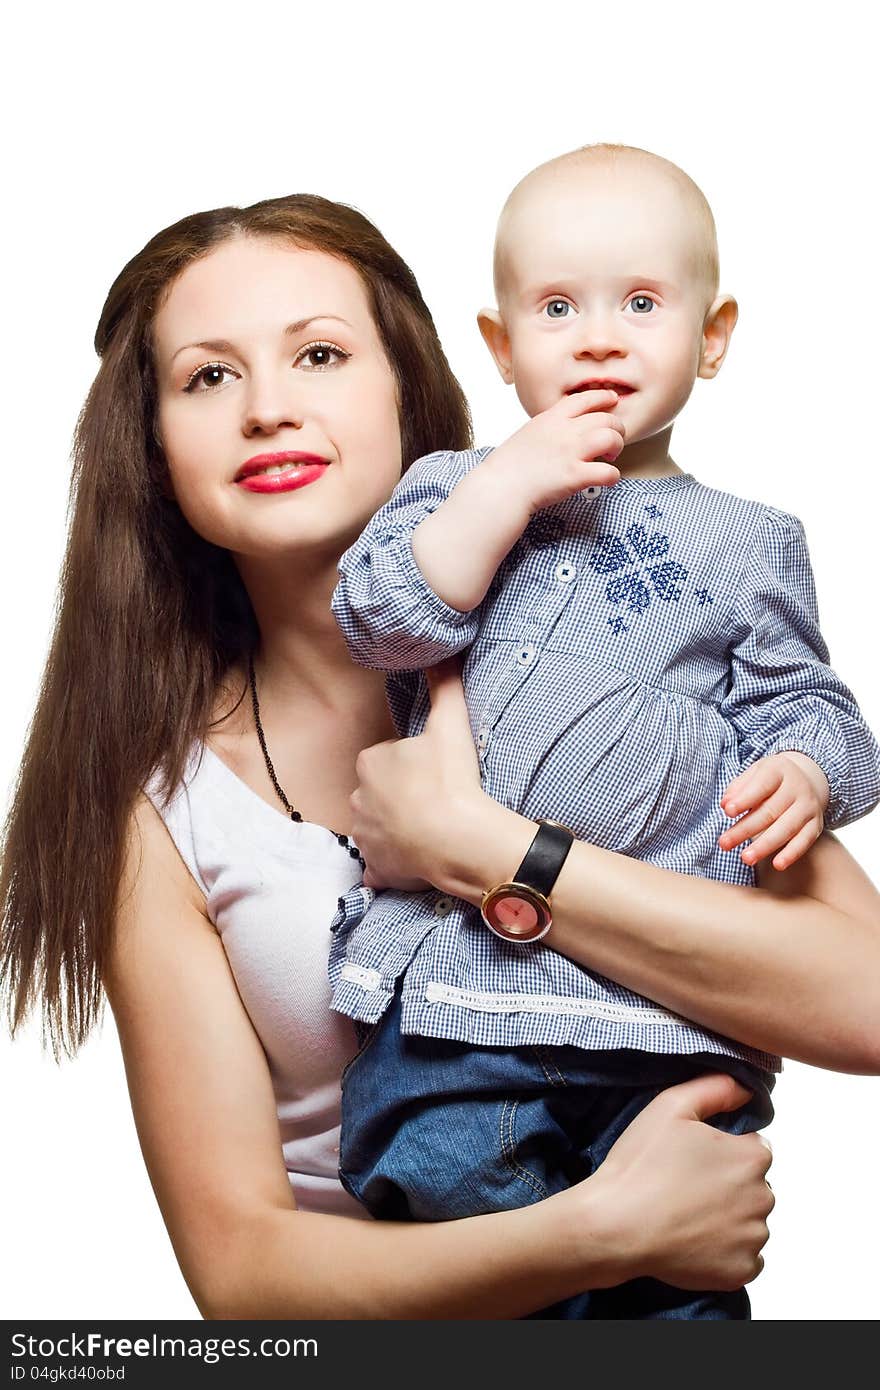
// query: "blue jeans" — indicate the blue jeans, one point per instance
point(433, 1130)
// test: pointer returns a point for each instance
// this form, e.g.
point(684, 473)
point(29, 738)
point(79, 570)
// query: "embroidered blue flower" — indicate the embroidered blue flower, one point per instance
point(703, 597)
point(641, 582)
point(610, 554)
point(645, 546)
point(653, 510)
point(665, 579)
point(631, 590)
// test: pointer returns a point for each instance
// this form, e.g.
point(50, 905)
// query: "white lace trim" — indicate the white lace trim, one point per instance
point(360, 975)
point(437, 993)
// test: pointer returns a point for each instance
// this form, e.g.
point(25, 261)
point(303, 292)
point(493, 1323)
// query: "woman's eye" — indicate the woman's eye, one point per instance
point(317, 356)
point(557, 309)
point(209, 377)
point(642, 304)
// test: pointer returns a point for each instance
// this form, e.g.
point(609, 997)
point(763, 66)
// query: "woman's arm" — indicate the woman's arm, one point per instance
point(675, 1199)
point(791, 968)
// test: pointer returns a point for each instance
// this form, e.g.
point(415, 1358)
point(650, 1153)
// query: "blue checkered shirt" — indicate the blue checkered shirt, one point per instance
point(638, 647)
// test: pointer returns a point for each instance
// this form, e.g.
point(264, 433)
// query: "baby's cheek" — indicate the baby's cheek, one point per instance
point(537, 390)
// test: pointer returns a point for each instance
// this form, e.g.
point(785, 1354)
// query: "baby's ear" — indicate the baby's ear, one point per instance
point(718, 327)
point(497, 340)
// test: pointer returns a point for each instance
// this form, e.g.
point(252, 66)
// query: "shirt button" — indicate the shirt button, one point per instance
point(565, 571)
point(442, 907)
point(525, 656)
point(482, 738)
point(590, 494)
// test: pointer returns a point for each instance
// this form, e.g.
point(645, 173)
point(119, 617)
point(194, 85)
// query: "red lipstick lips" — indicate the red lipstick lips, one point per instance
point(281, 472)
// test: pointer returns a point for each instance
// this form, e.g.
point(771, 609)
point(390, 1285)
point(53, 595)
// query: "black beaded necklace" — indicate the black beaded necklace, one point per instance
point(343, 840)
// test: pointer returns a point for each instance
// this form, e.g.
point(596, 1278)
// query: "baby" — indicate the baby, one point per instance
point(641, 650)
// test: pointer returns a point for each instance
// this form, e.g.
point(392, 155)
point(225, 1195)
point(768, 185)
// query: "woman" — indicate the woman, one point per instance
point(291, 329)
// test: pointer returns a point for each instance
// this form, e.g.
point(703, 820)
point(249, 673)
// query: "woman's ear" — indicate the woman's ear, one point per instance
point(497, 340)
point(718, 328)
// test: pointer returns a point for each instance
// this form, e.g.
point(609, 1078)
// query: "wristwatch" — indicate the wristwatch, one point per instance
point(520, 910)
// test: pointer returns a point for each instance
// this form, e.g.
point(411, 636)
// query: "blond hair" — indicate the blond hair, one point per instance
point(609, 156)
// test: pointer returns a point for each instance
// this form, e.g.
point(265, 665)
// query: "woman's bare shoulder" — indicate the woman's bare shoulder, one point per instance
point(153, 872)
point(162, 923)
point(197, 1075)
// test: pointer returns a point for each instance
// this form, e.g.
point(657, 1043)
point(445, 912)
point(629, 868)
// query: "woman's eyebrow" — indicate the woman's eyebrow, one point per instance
point(304, 323)
point(221, 344)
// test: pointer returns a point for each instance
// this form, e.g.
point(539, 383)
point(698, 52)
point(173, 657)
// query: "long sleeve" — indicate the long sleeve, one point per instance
point(783, 695)
point(391, 618)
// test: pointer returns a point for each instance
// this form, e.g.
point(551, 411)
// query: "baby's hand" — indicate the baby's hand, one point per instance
point(786, 795)
point(568, 447)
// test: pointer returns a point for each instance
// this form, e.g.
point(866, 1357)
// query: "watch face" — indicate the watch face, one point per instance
point(516, 912)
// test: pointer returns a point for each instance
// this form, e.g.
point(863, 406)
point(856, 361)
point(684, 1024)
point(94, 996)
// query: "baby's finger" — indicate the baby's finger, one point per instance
point(729, 839)
point(588, 427)
point(603, 444)
point(797, 848)
point(583, 402)
point(607, 478)
point(750, 787)
point(784, 829)
point(761, 818)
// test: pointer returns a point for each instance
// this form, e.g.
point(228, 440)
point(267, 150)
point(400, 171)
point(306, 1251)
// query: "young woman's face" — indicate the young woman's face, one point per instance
point(278, 408)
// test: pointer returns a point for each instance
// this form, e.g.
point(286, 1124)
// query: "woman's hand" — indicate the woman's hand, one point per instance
point(413, 792)
point(678, 1200)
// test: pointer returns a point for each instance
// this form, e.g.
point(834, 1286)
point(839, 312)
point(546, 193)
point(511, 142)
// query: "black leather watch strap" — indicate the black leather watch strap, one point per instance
point(545, 857)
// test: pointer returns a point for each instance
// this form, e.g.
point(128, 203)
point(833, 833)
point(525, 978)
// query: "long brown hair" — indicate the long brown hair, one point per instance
point(151, 617)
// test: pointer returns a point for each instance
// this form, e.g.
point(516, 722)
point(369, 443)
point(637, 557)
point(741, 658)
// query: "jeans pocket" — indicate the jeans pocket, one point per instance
point(526, 1180)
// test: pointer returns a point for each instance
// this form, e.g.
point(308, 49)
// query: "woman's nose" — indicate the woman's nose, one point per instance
point(272, 403)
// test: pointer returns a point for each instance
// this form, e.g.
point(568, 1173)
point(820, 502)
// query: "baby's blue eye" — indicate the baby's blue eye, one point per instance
point(642, 304)
point(557, 309)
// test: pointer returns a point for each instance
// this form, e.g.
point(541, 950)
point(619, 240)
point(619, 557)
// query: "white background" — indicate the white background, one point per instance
point(119, 121)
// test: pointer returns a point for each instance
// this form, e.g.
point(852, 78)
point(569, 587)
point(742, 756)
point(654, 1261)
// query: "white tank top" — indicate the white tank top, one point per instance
point(271, 888)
